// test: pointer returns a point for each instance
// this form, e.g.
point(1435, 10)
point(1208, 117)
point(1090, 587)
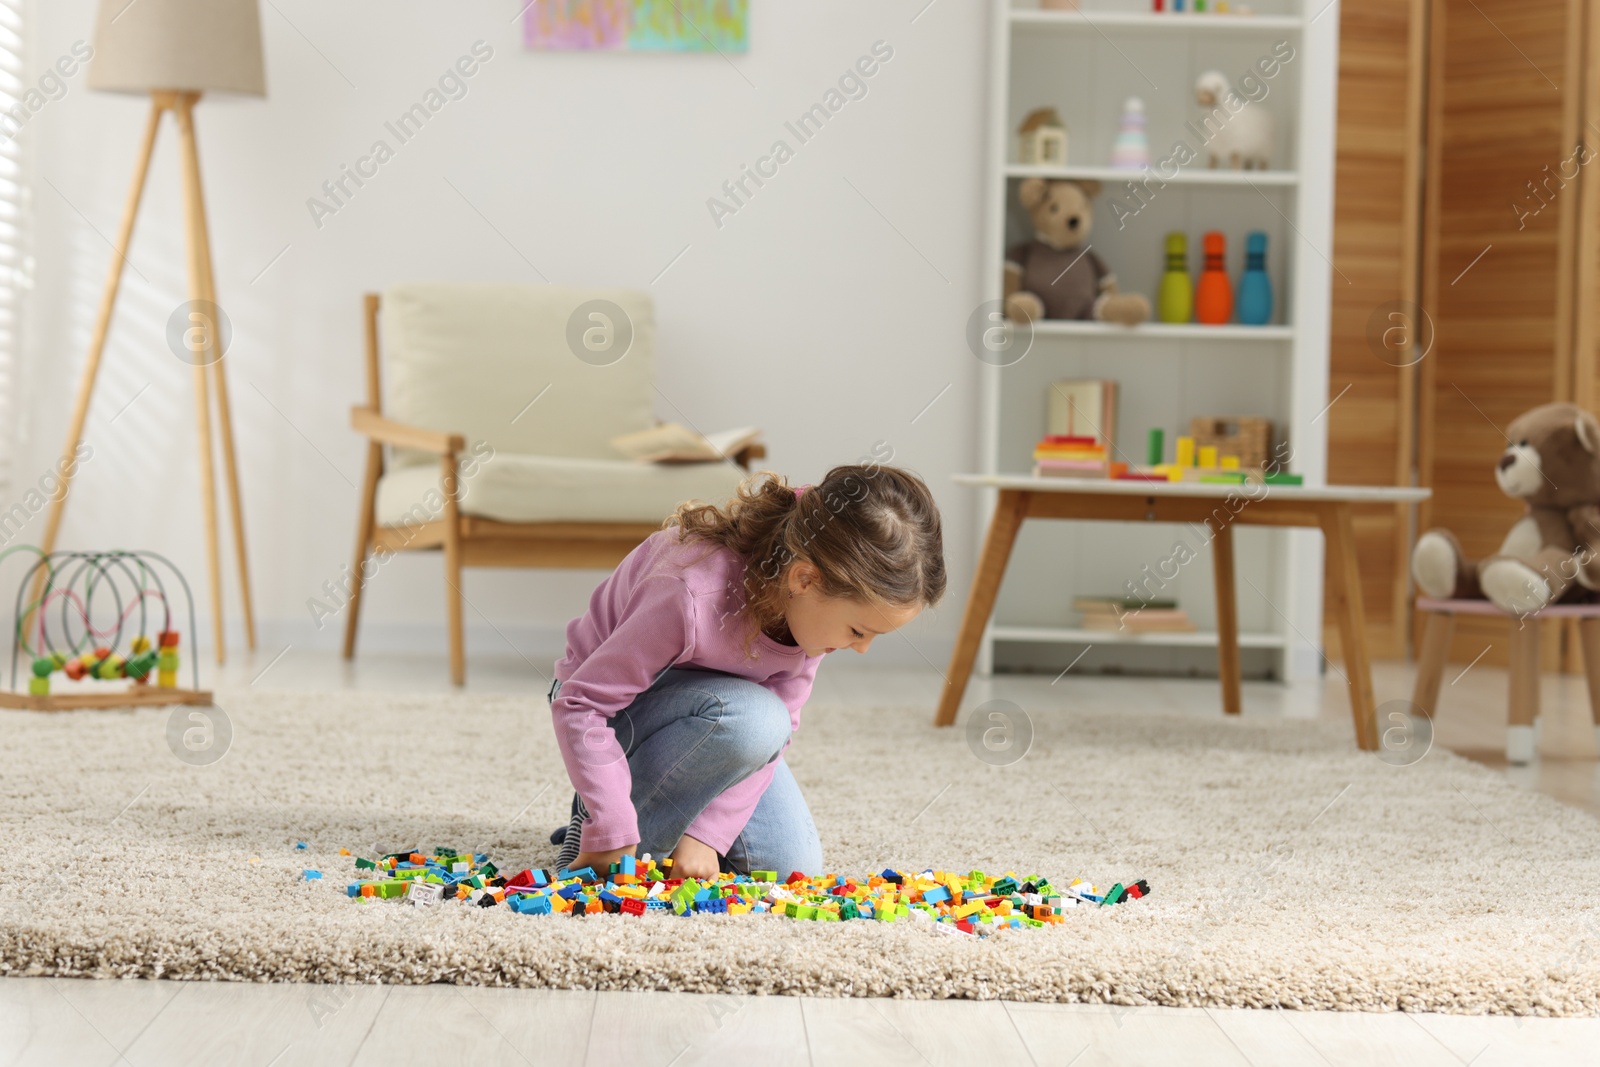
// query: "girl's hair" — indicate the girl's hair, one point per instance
point(872, 531)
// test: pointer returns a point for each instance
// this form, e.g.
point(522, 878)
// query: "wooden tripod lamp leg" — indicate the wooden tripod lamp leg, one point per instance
point(230, 465)
point(195, 229)
point(97, 343)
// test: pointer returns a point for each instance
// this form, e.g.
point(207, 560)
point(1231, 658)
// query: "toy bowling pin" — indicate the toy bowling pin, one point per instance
point(1255, 288)
point(1175, 301)
point(1213, 297)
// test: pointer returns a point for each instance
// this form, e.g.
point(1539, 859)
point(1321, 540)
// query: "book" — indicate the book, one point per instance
point(1083, 407)
point(672, 443)
point(1140, 622)
point(1118, 603)
point(1132, 615)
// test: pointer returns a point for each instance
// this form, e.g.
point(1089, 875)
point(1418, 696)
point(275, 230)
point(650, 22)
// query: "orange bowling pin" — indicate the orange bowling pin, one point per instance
point(1213, 296)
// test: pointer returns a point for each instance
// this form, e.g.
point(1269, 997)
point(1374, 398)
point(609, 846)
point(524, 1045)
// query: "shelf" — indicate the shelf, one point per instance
point(1068, 635)
point(1188, 176)
point(1149, 22)
point(1160, 331)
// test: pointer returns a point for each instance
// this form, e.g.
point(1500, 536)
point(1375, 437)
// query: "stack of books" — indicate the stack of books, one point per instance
point(1132, 615)
point(1067, 456)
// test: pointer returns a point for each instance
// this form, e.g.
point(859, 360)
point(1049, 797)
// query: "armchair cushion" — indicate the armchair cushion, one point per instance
point(468, 359)
point(521, 488)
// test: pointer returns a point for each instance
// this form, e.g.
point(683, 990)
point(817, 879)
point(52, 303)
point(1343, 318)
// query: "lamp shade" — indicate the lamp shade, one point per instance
point(185, 45)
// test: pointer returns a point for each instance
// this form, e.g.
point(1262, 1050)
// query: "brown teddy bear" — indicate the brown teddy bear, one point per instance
point(1053, 276)
point(1552, 463)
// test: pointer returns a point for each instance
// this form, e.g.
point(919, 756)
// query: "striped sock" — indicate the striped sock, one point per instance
point(572, 841)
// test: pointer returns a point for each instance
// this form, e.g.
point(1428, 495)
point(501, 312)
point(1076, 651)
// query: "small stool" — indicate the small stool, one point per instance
point(1523, 713)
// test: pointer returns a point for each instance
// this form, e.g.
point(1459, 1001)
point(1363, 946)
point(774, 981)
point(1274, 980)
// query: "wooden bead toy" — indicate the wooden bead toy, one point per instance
point(91, 616)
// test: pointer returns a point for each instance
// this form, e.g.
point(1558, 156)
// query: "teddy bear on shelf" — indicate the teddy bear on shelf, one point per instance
point(1054, 276)
point(1552, 464)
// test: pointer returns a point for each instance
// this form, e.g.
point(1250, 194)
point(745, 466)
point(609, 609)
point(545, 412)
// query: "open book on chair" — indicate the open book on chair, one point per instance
point(672, 443)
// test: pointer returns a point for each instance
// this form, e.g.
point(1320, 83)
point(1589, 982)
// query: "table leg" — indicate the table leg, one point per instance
point(1344, 588)
point(1589, 633)
point(1009, 511)
point(1227, 616)
point(1523, 712)
point(1436, 635)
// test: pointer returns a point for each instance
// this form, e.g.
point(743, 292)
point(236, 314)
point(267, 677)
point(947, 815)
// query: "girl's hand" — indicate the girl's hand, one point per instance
point(601, 861)
point(694, 859)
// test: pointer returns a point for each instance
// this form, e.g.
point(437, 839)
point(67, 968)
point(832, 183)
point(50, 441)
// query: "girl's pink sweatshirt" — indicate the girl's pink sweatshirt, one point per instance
point(666, 605)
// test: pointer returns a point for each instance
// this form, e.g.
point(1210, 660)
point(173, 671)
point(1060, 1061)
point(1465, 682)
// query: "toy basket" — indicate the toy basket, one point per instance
point(1247, 436)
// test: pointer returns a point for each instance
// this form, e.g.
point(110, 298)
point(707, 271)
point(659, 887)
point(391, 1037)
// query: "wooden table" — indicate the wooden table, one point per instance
point(1220, 507)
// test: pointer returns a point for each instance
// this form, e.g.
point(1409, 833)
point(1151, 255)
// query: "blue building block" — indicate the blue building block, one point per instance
point(311, 876)
point(529, 904)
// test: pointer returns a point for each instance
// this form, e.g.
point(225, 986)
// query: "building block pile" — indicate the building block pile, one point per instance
point(974, 903)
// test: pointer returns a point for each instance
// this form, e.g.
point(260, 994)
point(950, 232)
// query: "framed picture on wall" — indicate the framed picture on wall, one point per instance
point(637, 25)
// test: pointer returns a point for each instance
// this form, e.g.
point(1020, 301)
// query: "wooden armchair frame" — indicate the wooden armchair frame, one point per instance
point(467, 540)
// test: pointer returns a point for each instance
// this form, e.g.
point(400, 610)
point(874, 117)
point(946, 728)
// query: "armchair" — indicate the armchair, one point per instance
point(493, 447)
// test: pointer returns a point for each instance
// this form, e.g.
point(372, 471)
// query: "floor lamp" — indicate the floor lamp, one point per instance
point(175, 50)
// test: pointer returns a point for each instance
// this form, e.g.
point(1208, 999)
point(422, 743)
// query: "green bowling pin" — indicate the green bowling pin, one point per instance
point(1175, 302)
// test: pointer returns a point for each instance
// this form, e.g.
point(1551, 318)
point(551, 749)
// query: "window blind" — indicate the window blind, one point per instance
point(14, 264)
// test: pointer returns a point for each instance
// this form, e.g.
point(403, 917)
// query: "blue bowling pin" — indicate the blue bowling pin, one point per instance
point(1254, 306)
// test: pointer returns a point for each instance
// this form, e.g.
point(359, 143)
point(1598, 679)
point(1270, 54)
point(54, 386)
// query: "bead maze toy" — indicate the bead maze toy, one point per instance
point(975, 903)
point(103, 597)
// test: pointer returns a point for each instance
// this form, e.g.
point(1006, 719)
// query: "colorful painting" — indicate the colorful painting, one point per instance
point(637, 25)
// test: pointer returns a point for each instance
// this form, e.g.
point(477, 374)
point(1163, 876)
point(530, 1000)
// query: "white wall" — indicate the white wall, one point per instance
point(807, 313)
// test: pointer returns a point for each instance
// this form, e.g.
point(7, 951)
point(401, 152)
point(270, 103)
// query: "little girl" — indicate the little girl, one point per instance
point(683, 682)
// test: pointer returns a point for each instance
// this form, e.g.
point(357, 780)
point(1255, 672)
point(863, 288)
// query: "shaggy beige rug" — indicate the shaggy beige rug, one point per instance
point(1287, 869)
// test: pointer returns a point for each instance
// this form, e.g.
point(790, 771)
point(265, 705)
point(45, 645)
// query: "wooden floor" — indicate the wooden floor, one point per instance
point(140, 1023)
point(83, 1023)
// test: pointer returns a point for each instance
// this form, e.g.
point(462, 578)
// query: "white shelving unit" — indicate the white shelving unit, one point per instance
point(1085, 64)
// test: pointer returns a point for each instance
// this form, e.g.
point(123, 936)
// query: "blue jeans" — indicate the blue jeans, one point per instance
point(691, 735)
